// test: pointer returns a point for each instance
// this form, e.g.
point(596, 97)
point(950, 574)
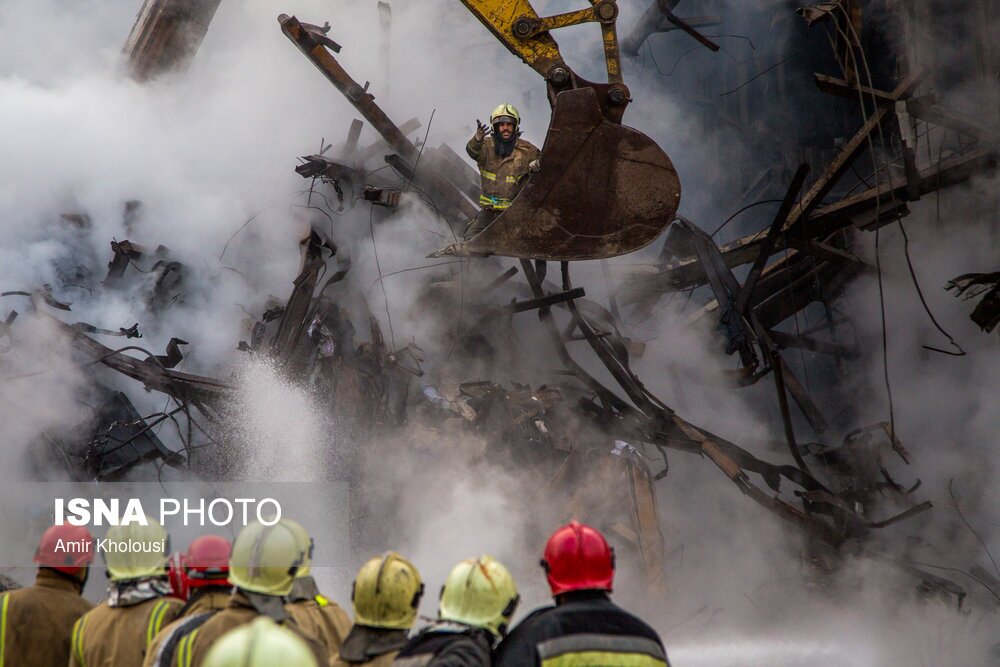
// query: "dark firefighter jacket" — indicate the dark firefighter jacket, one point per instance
point(586, 628)
point(370, 647)
point(444, 644)
point(36, 623)
point(192, 648)
point(203, 601)
point(109, 636)
point(502, 178)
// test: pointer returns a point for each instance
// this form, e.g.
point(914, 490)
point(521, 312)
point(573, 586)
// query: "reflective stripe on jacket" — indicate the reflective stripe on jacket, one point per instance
point(585, 628)
point(191, 650)
point(593, 650)
point(199, 606)
point(120, 636)
point(502, 178)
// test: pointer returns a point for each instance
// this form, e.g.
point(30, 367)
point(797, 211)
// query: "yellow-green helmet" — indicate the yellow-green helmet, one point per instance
point(265, 559)
point(479, 592)
point(305, 542)
point(387, 592)
point(506, 112)
point(261, 643)
point(134, 551)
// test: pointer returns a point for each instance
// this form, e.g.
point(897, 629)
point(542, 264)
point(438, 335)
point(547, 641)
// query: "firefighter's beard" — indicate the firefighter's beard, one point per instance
point(504, 147)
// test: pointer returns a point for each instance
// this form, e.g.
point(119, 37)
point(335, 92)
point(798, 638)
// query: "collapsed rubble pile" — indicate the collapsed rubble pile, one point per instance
point(587, 424)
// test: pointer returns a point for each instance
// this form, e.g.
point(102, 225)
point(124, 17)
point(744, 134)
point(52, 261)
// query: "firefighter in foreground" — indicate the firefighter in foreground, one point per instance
point(205, 577)
point(584, 627)
point(119, 631)
point(314, 613)
point(262, 568)
point(477, 601)
point(504, 161)
point(262, 643)
point(36, 623)
point(386, 595)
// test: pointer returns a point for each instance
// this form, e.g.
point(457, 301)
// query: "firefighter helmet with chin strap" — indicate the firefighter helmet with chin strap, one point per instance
point(578, 558)
point(505, 113)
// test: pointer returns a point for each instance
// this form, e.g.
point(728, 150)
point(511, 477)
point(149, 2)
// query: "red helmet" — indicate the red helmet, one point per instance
point(578, 558)
point(207, 562)
point(75, 553)
point(175, 573)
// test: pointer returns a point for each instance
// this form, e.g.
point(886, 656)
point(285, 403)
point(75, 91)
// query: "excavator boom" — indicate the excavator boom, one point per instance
point(604, 189)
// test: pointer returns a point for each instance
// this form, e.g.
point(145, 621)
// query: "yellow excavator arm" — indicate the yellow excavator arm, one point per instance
point(603, 189)
point(529, 37)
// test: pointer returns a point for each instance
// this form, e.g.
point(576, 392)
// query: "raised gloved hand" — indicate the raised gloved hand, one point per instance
point(482, 131)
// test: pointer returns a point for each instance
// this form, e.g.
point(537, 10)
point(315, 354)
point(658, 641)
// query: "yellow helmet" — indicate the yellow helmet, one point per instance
point(261, 643)
point(386, 593)
point(506, 112)
point(479, 592)
point(305, 542)
point(134, 551)
point(265, 559)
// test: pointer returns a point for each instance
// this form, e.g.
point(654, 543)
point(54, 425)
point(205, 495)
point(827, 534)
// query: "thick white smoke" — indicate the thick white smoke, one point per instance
point(211, 150)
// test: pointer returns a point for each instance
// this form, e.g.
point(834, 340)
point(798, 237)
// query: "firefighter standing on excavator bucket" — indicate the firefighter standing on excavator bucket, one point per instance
point(504, 164)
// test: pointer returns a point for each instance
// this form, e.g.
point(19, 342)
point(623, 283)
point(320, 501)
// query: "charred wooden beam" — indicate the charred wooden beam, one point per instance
point(316, 47)
point(886, 198)
point(971, 126)
point(544, 301)
point(353, 134)
point(501, 279)
point(852, 91)
point(380, 147)
point(166, 35)
point(151, 373)
point(294, 318)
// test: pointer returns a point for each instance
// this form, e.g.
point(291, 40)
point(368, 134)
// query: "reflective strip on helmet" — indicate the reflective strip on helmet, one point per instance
point(77, 642)
point(593, 650)
point(156, 620)
point(184, 649)
point(497, 203)
point(3, 626)
point(320, 600)
point(488, 175)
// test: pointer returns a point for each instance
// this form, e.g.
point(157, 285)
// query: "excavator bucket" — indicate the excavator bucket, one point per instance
point(603, 190)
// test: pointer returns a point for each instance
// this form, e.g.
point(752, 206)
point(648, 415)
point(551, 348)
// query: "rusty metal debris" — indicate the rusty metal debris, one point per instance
point(110, 442)
point(972, 285)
